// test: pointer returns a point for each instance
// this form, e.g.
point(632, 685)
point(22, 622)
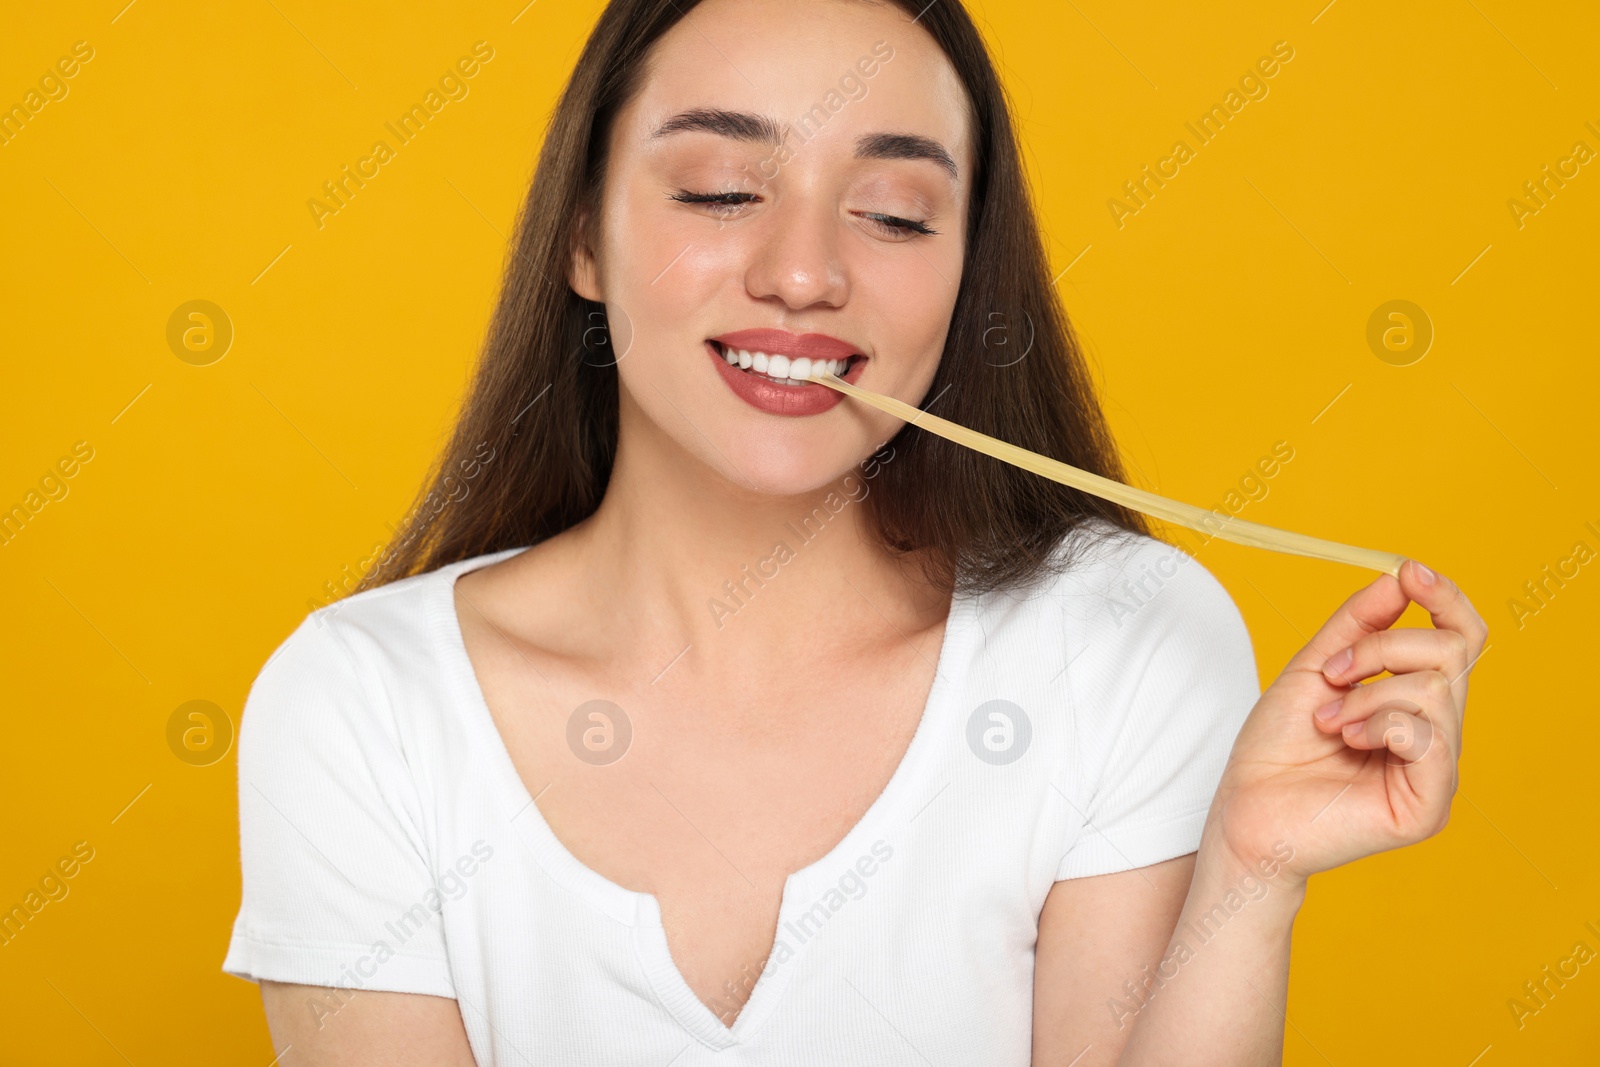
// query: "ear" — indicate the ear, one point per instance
point(583, 274)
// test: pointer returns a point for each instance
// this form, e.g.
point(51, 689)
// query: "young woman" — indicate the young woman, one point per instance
point(703, 717)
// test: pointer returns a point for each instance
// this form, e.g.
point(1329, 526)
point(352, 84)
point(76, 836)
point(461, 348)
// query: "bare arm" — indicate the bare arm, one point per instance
point(313, 1026)
point(1095, 934)
point(1220, 989)
point(1191, 954)
point(1326, 770)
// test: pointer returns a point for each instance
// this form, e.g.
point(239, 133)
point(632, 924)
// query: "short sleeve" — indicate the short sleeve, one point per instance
point(1158, 715)
point(337, 889)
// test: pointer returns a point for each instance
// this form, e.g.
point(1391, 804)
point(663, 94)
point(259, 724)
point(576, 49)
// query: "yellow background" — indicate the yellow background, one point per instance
point(1226, 315)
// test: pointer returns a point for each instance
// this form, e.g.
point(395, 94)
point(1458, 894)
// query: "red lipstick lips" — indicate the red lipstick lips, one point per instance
point(812, 346)
point(768, 395)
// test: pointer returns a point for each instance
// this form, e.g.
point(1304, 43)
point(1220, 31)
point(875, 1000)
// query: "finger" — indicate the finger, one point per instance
point(1425, 692)
point(1408, 736)
point(1366, 611)
point(1398, 651)
point(1445, 603)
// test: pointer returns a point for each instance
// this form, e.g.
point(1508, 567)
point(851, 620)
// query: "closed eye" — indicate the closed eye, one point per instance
point(714, 200)
point(727, 203)
point(898, 225)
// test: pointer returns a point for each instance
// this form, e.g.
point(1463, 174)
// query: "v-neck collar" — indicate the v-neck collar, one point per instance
point(642, 911)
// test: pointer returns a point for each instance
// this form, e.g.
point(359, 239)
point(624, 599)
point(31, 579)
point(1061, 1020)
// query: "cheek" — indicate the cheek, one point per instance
point(660, 293)
point(912, 296)
point(657, 282)
point(657, 251)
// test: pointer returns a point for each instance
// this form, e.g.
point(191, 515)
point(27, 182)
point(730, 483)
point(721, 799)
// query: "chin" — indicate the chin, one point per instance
point(786, 464)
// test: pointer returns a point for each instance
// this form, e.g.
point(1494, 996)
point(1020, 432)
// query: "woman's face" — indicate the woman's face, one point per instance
point(791, 180)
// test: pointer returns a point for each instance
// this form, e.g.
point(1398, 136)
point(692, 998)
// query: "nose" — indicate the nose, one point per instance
point(797, 260)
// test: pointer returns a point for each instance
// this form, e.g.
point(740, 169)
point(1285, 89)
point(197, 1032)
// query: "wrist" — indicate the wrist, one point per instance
point(1265, 878)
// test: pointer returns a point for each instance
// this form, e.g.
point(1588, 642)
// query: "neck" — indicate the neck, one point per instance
point(684, 557)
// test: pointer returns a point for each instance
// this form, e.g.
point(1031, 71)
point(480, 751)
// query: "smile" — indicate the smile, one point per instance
point(782, 369)
point(773, 370)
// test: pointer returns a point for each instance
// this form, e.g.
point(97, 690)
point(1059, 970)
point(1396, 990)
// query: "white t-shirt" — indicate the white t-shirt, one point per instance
point(1076, 728)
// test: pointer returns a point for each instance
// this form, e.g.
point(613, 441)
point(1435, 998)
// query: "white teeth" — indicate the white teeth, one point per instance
point(792, 370)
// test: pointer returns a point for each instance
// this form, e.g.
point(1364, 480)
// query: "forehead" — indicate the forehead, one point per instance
point(786, 59)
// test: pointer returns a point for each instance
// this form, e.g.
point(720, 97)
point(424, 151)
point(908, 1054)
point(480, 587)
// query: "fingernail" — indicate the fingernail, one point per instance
point(1424, 575)
point(1328, 711)
point(1339, 662)
point(1354, 729)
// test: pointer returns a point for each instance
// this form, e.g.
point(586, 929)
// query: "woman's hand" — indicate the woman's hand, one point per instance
point(1326, 769)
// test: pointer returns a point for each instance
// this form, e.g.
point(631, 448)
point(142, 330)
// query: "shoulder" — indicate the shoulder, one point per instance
point(347, 668)
point(319, 694)
point(1159, 675)
point(1112, 587)
point(385, 630)
point(373, 619)
point(337, 650)
point(1124, 635)
point(1153, 638)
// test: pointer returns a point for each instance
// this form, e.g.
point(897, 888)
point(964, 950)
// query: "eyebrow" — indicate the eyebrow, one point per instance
point(905, 146)
point(747, 126)
point(739, 125)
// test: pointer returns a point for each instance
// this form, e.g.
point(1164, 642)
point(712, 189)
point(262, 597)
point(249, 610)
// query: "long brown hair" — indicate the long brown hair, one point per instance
point(532, 449)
